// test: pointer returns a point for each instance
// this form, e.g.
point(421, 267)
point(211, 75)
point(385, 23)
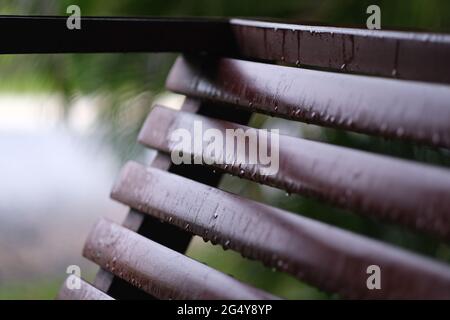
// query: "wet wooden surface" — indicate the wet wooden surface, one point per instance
point(85, 292)
point(400, 191)
point(158, 270)
point(407, 110)
point(328, 257)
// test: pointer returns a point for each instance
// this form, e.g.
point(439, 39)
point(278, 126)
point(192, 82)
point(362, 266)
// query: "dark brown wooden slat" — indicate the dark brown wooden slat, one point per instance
point(390, 108)
point(401, 191)
point(161, 272)
point(399, 54)
point(152, 228)
point(86, 292)
point(330, 258)
point(146, 226)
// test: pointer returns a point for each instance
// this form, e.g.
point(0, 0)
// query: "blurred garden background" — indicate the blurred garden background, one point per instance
point(68, 122)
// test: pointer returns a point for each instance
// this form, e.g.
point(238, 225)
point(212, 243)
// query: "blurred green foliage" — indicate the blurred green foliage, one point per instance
point(31, 290)
point(121, 77)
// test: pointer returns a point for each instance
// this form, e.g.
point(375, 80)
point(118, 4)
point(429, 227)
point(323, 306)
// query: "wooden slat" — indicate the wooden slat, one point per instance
point(390, 108)
point(85, 292)
point(161, 272)
point(404, 55)
point(332, 259)
point(401, 191)
point(151, 228)
point(146, 226)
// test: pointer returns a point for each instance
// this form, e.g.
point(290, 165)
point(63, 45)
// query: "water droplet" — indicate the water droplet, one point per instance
point(356, 174)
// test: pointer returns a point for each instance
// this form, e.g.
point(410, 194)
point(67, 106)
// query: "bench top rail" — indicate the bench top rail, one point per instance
point(398, 54)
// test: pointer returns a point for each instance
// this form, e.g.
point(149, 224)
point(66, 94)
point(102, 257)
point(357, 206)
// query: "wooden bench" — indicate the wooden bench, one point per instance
point(384, 83)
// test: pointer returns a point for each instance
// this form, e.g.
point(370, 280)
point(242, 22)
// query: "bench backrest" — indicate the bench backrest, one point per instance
point(383, 83)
